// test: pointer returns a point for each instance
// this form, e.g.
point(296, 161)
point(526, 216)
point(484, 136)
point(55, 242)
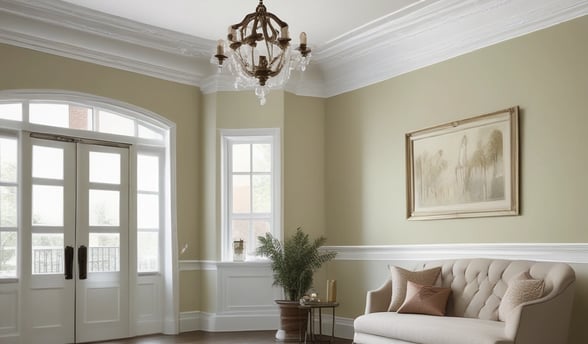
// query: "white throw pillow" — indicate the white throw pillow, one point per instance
point(522, 288)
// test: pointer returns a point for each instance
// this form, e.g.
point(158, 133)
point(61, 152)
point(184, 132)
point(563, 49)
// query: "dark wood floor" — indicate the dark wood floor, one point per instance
point(199, 337)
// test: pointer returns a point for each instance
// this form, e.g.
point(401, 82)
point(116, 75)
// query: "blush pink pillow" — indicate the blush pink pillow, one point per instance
point(422, 299)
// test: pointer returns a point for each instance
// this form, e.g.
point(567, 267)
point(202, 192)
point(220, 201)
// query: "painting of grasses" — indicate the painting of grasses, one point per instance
point(465, 168)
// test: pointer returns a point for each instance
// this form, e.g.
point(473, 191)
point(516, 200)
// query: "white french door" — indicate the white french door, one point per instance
point(76, 242)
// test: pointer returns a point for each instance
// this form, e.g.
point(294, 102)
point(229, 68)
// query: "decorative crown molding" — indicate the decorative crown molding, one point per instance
point(425, 33)
point(438, 31)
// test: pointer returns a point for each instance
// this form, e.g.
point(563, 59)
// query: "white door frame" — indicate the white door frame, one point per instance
point(167, 279)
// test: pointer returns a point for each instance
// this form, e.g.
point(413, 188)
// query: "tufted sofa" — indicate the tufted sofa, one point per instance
point(477, 289)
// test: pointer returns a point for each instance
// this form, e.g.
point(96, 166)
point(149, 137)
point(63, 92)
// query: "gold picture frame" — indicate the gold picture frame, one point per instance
point(466, 168)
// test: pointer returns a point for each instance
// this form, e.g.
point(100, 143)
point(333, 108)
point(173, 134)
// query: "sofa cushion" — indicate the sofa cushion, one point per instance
point(522, 288)
point(424, 299)
point(426, 329)
point(400, 276)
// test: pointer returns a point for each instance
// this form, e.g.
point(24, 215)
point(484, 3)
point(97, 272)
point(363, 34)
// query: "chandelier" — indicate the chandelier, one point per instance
point(258, 52)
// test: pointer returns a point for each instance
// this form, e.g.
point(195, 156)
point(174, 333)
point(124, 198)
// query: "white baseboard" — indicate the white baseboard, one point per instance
point(210, 322)
point(189, 321)
point(148, 327)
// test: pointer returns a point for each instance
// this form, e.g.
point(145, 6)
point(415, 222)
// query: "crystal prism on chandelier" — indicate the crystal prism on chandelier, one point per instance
point(259, 53)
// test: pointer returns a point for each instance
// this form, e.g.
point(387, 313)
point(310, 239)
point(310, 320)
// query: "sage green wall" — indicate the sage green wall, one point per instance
point(301, 123)
point(27, 69)
point(304, 160)
point(545, 73)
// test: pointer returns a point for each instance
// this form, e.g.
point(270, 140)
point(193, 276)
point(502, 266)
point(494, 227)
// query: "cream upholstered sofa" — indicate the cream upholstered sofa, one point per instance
point(478, 287)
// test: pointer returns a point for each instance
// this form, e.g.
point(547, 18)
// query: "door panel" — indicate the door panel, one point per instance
point(78, 196)
point(102, 304)
point(51, 223)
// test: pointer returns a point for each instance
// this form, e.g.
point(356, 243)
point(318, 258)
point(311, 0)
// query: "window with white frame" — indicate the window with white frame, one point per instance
point(72, 116)
point(251, 187)
point(149, 207)
point(8, 206)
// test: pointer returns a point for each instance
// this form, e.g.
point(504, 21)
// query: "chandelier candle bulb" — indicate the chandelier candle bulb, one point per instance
point(285, 34)
point(331, 290)
point(303, 38)
point(220, 47)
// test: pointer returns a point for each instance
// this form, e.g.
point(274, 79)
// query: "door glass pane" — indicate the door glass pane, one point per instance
point(47, 251)
point(147, 211)
point(147, 251)
point(8, 254)
point(104, 168)
point(104, 252)
point(103, 208)
point(262, 194)
point(241, 158)
point(47, 162)
point(47, 205)
point(262, 157)
point(147, 173)
point(8, 206)
point(8, 160)
point(241, 194)
point(115, 124)
point(11, 111)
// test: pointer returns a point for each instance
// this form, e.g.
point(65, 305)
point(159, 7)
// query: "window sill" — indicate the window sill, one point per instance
point(247, 263)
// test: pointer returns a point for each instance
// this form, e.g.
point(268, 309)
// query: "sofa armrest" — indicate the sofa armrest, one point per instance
point(545, 320)
point(378, 300)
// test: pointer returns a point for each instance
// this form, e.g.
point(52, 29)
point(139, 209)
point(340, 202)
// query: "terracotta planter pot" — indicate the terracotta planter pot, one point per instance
point(293, 321)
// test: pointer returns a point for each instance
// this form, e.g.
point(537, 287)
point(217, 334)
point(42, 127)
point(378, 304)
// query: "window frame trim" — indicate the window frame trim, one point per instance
point(251, 135)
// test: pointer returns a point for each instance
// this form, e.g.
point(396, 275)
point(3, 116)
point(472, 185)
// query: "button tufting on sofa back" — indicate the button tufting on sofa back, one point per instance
point(478, 285)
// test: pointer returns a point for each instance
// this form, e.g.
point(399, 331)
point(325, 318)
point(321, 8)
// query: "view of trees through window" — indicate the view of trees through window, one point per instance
point(8, 206)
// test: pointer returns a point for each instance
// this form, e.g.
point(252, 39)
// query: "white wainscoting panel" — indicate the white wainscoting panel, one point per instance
point(246, 287)
point(9, 311)
point(148, 305)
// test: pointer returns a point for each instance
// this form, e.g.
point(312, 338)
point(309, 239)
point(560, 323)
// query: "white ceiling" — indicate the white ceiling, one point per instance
point(355, 43)
point(323, 20)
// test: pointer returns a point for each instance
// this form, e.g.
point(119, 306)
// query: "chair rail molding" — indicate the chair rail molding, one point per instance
point(560, 252)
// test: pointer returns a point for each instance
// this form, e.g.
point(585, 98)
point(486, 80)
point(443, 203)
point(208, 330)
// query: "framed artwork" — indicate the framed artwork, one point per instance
point(466, 168)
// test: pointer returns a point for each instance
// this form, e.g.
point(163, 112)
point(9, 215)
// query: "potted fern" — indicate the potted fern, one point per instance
point(293, 263)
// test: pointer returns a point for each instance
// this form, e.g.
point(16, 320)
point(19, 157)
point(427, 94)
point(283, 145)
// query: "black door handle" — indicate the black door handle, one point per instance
point(82, 261)
point(69, 254)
